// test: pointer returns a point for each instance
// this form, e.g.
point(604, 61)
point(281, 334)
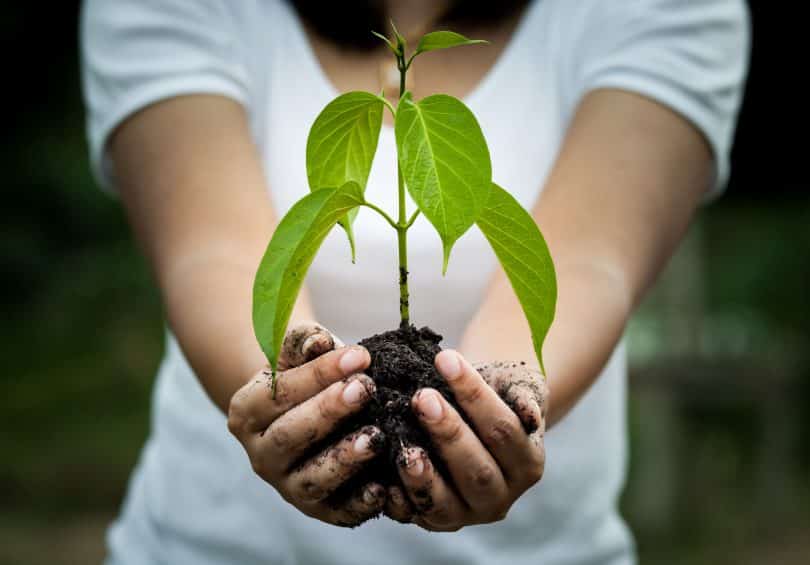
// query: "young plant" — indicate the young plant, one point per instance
point(444, 163)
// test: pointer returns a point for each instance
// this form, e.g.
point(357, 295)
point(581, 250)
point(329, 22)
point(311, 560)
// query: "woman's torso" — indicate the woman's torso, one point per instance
point(194, 498)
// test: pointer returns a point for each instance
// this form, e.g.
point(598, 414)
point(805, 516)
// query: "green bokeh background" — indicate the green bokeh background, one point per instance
point(720, 369)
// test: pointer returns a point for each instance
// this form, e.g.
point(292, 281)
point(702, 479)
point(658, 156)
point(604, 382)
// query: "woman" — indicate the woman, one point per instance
point(611, 121)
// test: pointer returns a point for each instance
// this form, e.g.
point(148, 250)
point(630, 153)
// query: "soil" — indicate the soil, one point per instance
point(401, 364)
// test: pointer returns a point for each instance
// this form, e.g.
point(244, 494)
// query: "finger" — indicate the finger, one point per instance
point(397, 506)
point(304, 342)
point(474, 471)
point(301, 383)
point(367, 503)
point(497, 426)
point(434, 502)
point(320, 476)
point(293, 434)
point(523, 402)
point(522, 388)
point(254, 407)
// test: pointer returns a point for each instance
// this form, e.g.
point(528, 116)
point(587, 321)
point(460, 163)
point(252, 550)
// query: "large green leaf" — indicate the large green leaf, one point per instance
point(524, 256)
point(442, 40)
point(342, 143)
point(445, 162)
point(288, 257)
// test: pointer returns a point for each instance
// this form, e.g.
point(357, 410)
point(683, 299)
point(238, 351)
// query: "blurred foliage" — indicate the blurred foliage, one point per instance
point(81, 331)
point(719, 407)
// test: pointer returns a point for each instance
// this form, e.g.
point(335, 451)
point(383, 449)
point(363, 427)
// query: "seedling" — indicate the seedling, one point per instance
point(443, 162)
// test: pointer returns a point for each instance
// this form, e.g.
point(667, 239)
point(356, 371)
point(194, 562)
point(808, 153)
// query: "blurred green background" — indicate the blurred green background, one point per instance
point(720, 379)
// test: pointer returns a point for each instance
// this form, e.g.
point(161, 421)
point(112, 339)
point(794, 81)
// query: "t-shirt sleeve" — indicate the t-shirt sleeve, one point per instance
point(690, 55)
point(137, 52)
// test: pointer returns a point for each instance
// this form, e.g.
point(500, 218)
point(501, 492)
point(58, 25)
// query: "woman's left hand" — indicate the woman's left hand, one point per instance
point(491, 461)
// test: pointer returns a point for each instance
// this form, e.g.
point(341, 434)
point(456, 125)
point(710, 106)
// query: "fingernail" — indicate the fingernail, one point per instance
point(362, 444)
point(309, 342)
point(352, 361)
point(415, 465)
point(430, 406)
point(316, 344)
point(449, 364)
point(354, 393)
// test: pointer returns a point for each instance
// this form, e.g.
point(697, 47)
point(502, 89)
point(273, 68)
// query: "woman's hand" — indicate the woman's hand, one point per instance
point(491, 463)
point(319, 387)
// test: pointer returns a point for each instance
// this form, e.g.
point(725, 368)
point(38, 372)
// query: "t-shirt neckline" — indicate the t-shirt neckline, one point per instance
point(472, 98)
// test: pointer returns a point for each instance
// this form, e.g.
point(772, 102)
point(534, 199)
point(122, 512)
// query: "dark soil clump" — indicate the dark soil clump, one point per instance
point(401, 363)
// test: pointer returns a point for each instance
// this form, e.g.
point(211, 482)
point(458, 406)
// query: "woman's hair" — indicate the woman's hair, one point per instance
point(349, 24)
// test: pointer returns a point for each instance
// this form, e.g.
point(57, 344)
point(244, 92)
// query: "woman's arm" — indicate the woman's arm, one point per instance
point(195, 194)
point(627, 181)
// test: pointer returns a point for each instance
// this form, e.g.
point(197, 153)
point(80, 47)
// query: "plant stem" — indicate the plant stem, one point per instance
point(403, 70)
point(402, 240)
point(402, 224)
point(413, 218)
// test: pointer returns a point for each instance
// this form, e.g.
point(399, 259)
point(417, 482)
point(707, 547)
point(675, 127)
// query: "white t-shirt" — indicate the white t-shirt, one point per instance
point(193, 498)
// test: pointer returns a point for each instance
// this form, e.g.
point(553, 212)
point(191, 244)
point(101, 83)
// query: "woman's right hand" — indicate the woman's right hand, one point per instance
point(319, 384)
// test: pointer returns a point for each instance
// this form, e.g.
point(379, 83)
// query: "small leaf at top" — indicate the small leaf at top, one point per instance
point(342, 143)
point(445, 162)
point(388, 42)
point(524, 256)
point(443, 40)
point(401, 43)
point(289, 254)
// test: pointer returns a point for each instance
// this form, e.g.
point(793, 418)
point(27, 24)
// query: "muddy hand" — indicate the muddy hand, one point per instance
point(523, 388)
point(490, 463)
point(319, 388)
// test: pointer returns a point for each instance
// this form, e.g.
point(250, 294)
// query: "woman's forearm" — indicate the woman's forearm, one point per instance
point(619, 198)
point(209, 308)
point(192, 183)
point(592, 310)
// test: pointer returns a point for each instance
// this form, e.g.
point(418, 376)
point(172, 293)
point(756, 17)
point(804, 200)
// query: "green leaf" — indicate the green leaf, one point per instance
point(342, 143)
point(401, 43)
point(443, 40)
point(445, 163)
point(289, 254)
point(346, 223)
point(388, 42)
point(524, 256)
point(343, 140)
